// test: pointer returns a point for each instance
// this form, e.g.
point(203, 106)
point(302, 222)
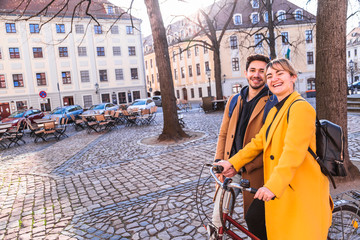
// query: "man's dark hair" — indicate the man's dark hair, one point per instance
point(256, 57)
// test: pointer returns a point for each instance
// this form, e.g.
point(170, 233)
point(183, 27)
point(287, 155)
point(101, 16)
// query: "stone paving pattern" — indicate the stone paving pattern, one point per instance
point(111, 186)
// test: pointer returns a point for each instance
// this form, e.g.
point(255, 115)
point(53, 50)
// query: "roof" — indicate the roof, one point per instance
point(97, 8)
point(220, 10)
point(353, 38)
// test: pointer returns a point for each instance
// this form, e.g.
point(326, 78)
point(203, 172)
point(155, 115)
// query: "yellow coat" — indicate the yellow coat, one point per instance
point(302, 207)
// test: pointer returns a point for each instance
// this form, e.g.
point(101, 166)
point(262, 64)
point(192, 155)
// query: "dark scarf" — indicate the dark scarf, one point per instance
point(244, 116)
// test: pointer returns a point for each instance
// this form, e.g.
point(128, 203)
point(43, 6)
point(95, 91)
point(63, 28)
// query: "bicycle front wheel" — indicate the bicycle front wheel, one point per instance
point(345, 223)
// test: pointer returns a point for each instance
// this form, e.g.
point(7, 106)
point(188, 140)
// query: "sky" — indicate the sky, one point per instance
point(171, 8)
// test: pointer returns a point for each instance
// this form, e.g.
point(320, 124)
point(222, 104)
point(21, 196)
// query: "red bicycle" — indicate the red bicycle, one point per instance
point(227, 201)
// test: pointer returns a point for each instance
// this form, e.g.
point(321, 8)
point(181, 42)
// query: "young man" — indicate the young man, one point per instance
point(242, 120)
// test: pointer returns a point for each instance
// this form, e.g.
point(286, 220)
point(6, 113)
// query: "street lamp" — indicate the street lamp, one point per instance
point(208, 74)
point(351, 67)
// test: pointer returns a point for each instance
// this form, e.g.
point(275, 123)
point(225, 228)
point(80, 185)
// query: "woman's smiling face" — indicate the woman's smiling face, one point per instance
point(280, 82)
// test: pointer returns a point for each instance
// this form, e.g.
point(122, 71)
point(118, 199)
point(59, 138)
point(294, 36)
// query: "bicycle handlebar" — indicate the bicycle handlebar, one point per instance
point(227, 182)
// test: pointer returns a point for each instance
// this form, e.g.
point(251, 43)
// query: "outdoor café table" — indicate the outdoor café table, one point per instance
point(41, 121)
point(5, 126)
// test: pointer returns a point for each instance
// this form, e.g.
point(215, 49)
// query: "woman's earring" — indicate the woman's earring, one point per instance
point(271, 100)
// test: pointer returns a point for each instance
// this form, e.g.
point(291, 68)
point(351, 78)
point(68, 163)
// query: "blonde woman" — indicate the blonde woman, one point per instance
point(302, 205)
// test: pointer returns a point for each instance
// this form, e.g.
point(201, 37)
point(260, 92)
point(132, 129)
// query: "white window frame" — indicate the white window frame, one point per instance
point(234, 19)
point(301, 16)
point(255, 3)
point(281, 14)
point(252, 17)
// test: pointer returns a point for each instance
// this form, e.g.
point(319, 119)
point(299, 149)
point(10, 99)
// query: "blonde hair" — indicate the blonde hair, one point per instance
point(281, 64)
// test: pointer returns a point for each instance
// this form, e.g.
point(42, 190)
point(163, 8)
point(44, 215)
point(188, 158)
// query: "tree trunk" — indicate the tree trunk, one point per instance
point(331, 85)
point(172, 129)
point(217, 73)
point(271, 39)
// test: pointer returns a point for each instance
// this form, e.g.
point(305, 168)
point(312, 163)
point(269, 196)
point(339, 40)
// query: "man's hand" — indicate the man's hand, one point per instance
point(264, 194)
point(229, 170)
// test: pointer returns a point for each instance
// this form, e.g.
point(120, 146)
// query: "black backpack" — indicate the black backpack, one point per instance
point(329, 148)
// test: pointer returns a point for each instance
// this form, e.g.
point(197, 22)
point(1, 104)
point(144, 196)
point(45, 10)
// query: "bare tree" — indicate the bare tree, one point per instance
point(172, 129)
point(331, 85)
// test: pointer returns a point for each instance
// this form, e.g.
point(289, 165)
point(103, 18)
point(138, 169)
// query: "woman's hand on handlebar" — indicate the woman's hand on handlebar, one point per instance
point(229, 170)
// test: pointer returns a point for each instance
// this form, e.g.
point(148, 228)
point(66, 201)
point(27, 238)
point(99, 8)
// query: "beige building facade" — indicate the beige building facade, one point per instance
point(192, 64)
point(70, 61)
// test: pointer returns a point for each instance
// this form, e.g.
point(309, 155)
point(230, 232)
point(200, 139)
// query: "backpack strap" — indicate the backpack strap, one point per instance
point(324, 170)
point(233, 103)
point(268, 106)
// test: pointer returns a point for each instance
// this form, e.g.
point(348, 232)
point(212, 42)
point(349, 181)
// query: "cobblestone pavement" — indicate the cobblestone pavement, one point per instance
point(111, 186)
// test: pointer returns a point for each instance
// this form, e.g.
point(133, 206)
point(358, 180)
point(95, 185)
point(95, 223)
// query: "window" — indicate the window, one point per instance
point(37, 52)
point(87, 101)
point(205, 49)
point(177, 94)
point(119, 75)
point(134, 73)
point(235, 64)
point(188, 53)
point(355, 52)
point(0, 54)
point(122, 97)
point(308, 36)
point(266, 17)
point(192, 94)
point(98, 29)
point(41, 79)
point(103, 75)
point(348, 53)
point(196, 50)
point(18, 80)
point(233, 42)
point(60, 28)
point(100, 51)
point(180, 54)
point(207, 67)
point(34, 28)
point(129, 30)
point(117, 51)
point(66, 77)
point(198, 72)
point(132, 51)
point(151, 63)
point(298, 14)
point(110, 10)
point(115, 29)
point(255, 3)
point(285, 38)
point(152, 78)
point(182, 72)
point(105, 98)
point(237, 19)
point(258, 40)
point(136, 95)
point(2, 81)
point(10, 27)
point(175, 74)
point(281, 15)
point(310, 57)
point(174, 56)
point(79, 28)
point(311, 84)
point(200, 92)
point(255, 18)
point(190, 71)
point(82, 51)
point(63, 52)
point(146, 67)
point(14, 53)
point(85, 76)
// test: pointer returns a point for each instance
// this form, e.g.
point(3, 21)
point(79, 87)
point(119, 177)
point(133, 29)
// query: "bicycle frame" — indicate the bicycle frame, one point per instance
point(226, 218)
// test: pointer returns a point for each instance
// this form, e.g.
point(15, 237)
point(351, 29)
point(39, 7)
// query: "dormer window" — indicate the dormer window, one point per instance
point(237, 19)
point(255, 3)
point(281, 15)
point(110, 9)
point(266, 17)
point(298, 14)
point(255, 18)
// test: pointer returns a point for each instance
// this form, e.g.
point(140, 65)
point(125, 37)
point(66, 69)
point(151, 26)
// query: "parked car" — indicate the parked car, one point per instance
point(354, 85)
point(66, 111)
point(101, 108)
point(19, 115)
point(141, 104)
point(157, 100)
